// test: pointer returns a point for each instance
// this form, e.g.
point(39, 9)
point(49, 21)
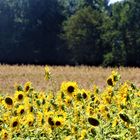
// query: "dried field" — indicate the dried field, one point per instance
point(85, 76)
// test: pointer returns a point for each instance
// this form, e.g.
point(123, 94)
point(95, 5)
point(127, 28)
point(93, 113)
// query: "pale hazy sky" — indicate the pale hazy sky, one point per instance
point(113, 1)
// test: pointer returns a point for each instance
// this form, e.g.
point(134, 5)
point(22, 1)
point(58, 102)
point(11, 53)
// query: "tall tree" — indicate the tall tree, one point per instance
point(82, 32)
point(114, 36)
point(126, 21)
point(133, 33)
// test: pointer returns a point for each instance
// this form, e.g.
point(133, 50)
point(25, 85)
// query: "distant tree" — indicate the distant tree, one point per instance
point(8, 37)
point(71, 6)
point(82, 31)
point(132, 40)
point(30, 27)
point(125, 16)
point(114, 37)
point(42, 29)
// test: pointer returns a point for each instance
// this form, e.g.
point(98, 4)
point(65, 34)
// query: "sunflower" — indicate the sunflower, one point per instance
point(89, 110)
point(27, 86)
point(8, 102)
point(6, 116)
point(42, 97)
point(110, 81)
point(92, 131)
point(116, 76)
point(19, 95)
point(124, 117)
point(18, 87)
point(47, 73)
point(21, 110)
point(68, 101)
point(85, 94)
point(74, 129)
point(5, 135)
point(93, 121)
point(61, 113)
point(113, 78)
point(29, 120)
point(29, 108)
point(58, 121)
point(14, 122)
point(69, 88)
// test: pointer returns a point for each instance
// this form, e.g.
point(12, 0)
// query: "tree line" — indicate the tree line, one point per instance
point(74, 32)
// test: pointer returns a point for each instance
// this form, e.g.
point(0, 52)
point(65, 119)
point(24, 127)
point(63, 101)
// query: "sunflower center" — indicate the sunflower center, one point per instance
point(27, 88)
point(5, 135)
point(70, 89)
point(43, 102)
point(22, 111)
point(58, 123)
point(15, 124)
point(31, 109)
point(110, 82)
point(30, 123)
point(93, 121)
point(124, 117)
point(8, 101)
point(20, 96)
point(84, 95)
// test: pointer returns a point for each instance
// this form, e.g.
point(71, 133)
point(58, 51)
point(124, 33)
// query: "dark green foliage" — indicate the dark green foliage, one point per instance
point(89, 32)
point(82, 31)
point(29, 31)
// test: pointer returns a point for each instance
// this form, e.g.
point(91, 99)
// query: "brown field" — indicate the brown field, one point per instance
point(85, 76)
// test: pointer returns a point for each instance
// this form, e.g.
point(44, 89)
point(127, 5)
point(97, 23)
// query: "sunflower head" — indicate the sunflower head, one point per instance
point(27, 86)
point(116, 76)
point(69, 88)
point(110, 81)
point(4, 134)
point(21, 110)
point(68, 101)
point(29, 120)
point(124, 117)
point(19, 95)
point(59, 121)
point(86, 94)
point(8, 101)
point(18, 87)
point(113, 78)
point(92, 131)
point(14, 122)
point(93, 121)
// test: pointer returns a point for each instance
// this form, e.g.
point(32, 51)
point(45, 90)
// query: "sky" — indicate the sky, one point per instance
point(113, 1)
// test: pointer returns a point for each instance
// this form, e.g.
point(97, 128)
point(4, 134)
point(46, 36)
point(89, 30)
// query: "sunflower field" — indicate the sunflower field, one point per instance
point(72, 113)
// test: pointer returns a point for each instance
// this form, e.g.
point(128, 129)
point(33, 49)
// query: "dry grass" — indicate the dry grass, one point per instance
point(86, 77)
